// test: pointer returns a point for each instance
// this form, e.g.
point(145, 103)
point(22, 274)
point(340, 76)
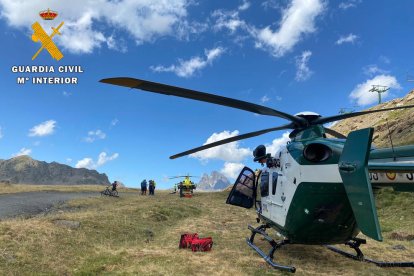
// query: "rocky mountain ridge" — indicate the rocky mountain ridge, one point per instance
point(212, 182)
point(26, 170)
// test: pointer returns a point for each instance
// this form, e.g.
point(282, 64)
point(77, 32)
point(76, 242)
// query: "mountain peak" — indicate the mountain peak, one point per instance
point(26, 170)
point(214, 181)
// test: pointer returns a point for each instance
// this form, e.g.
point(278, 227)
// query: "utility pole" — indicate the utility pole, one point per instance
point(379, 89)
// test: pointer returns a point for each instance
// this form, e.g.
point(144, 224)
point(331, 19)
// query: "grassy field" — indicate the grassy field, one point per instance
point(136, 234)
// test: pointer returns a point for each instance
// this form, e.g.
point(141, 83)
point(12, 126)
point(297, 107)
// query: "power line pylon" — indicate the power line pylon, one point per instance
point(379, 89)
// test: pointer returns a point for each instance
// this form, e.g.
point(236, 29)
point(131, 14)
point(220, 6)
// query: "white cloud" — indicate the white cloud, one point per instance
point(186, 68)
point(373, 69)
point(361, 93)
point(349, 4)
point(89, 163)
point(297, 20)
point(277, 143)
point(229, 19)
point(69, 160)
point(244, 6)
point(143, 20)
point(302, 70)
point(86, 163)
point(66, 94)
point(264, 99)
point(117, 44)
point(270, 4)
point(351, 38)
point(114, 122)
point(94, 135)
point(229, 152)
point(384, 59)
point(104, 158)
point(43, 129)
point(329, 125)
point(22, 151)
point(231, 170)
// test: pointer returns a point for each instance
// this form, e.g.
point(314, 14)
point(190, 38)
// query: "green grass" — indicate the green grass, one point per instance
point(139, 235)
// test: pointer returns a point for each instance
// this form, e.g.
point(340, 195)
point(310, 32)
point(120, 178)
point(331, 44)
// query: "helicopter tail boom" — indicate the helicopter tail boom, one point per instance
point(392, 167)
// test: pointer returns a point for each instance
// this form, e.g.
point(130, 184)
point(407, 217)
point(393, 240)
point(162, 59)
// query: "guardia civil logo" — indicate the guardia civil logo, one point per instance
point(40, 36)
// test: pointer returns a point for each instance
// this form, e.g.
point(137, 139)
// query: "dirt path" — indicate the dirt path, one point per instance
point(32, 203)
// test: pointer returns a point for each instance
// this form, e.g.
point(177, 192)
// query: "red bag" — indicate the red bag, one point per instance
point(186, 240)
point(202, 244)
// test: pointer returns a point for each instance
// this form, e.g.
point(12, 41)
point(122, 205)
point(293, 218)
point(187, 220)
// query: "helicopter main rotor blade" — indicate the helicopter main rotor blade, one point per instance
point(200, 96)
point(232, 139)
point(173, 177)
point(334, 118)
point(334, 133)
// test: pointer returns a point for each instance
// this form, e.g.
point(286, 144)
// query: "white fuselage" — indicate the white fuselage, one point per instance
point(290, 175)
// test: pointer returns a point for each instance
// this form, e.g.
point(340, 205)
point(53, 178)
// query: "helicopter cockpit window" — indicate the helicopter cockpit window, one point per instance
point(274, 182)
point(264, 184)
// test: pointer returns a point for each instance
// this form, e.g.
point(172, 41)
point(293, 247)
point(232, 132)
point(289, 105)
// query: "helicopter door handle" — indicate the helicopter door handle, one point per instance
point(274, 203)
point(347, 167)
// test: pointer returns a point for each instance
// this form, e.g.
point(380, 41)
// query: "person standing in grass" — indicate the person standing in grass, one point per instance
point(144, 187)
point(153, 187)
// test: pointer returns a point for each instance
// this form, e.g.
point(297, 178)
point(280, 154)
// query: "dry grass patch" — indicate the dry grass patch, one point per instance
point(139, 235)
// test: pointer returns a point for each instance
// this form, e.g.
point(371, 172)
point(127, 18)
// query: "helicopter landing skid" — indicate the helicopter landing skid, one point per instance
point(355, 244)
point(275, 245)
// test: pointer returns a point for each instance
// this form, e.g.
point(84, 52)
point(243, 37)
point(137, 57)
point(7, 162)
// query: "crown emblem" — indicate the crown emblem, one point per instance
point(48, 15)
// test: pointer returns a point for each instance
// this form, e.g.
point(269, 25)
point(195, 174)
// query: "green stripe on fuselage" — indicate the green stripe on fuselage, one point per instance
point(320, 213)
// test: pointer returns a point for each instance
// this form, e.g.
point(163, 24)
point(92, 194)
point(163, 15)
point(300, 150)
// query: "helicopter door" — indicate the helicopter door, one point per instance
point(243, 192)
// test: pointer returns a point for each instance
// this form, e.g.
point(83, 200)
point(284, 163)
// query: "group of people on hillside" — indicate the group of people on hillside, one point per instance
point(150, 185)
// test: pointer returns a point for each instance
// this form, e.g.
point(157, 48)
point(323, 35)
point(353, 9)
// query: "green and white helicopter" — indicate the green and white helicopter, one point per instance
point(317, 190)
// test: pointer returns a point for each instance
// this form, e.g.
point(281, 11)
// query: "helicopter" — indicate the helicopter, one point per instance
point(185, 187)
point(316, 190)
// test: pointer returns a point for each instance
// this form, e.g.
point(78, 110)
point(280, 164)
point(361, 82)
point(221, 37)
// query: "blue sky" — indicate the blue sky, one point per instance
point(289, 55)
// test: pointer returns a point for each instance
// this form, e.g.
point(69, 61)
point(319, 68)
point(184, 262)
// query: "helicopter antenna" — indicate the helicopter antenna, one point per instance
point(379, 89)
point(392, 145)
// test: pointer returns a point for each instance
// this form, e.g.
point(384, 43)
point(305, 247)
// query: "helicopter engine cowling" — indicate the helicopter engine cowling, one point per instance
point(317, 152)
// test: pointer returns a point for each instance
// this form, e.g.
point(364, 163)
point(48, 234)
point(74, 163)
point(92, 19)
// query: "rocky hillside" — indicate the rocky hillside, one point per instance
point(214, 181)
point(401, 123)
point(25, 170)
